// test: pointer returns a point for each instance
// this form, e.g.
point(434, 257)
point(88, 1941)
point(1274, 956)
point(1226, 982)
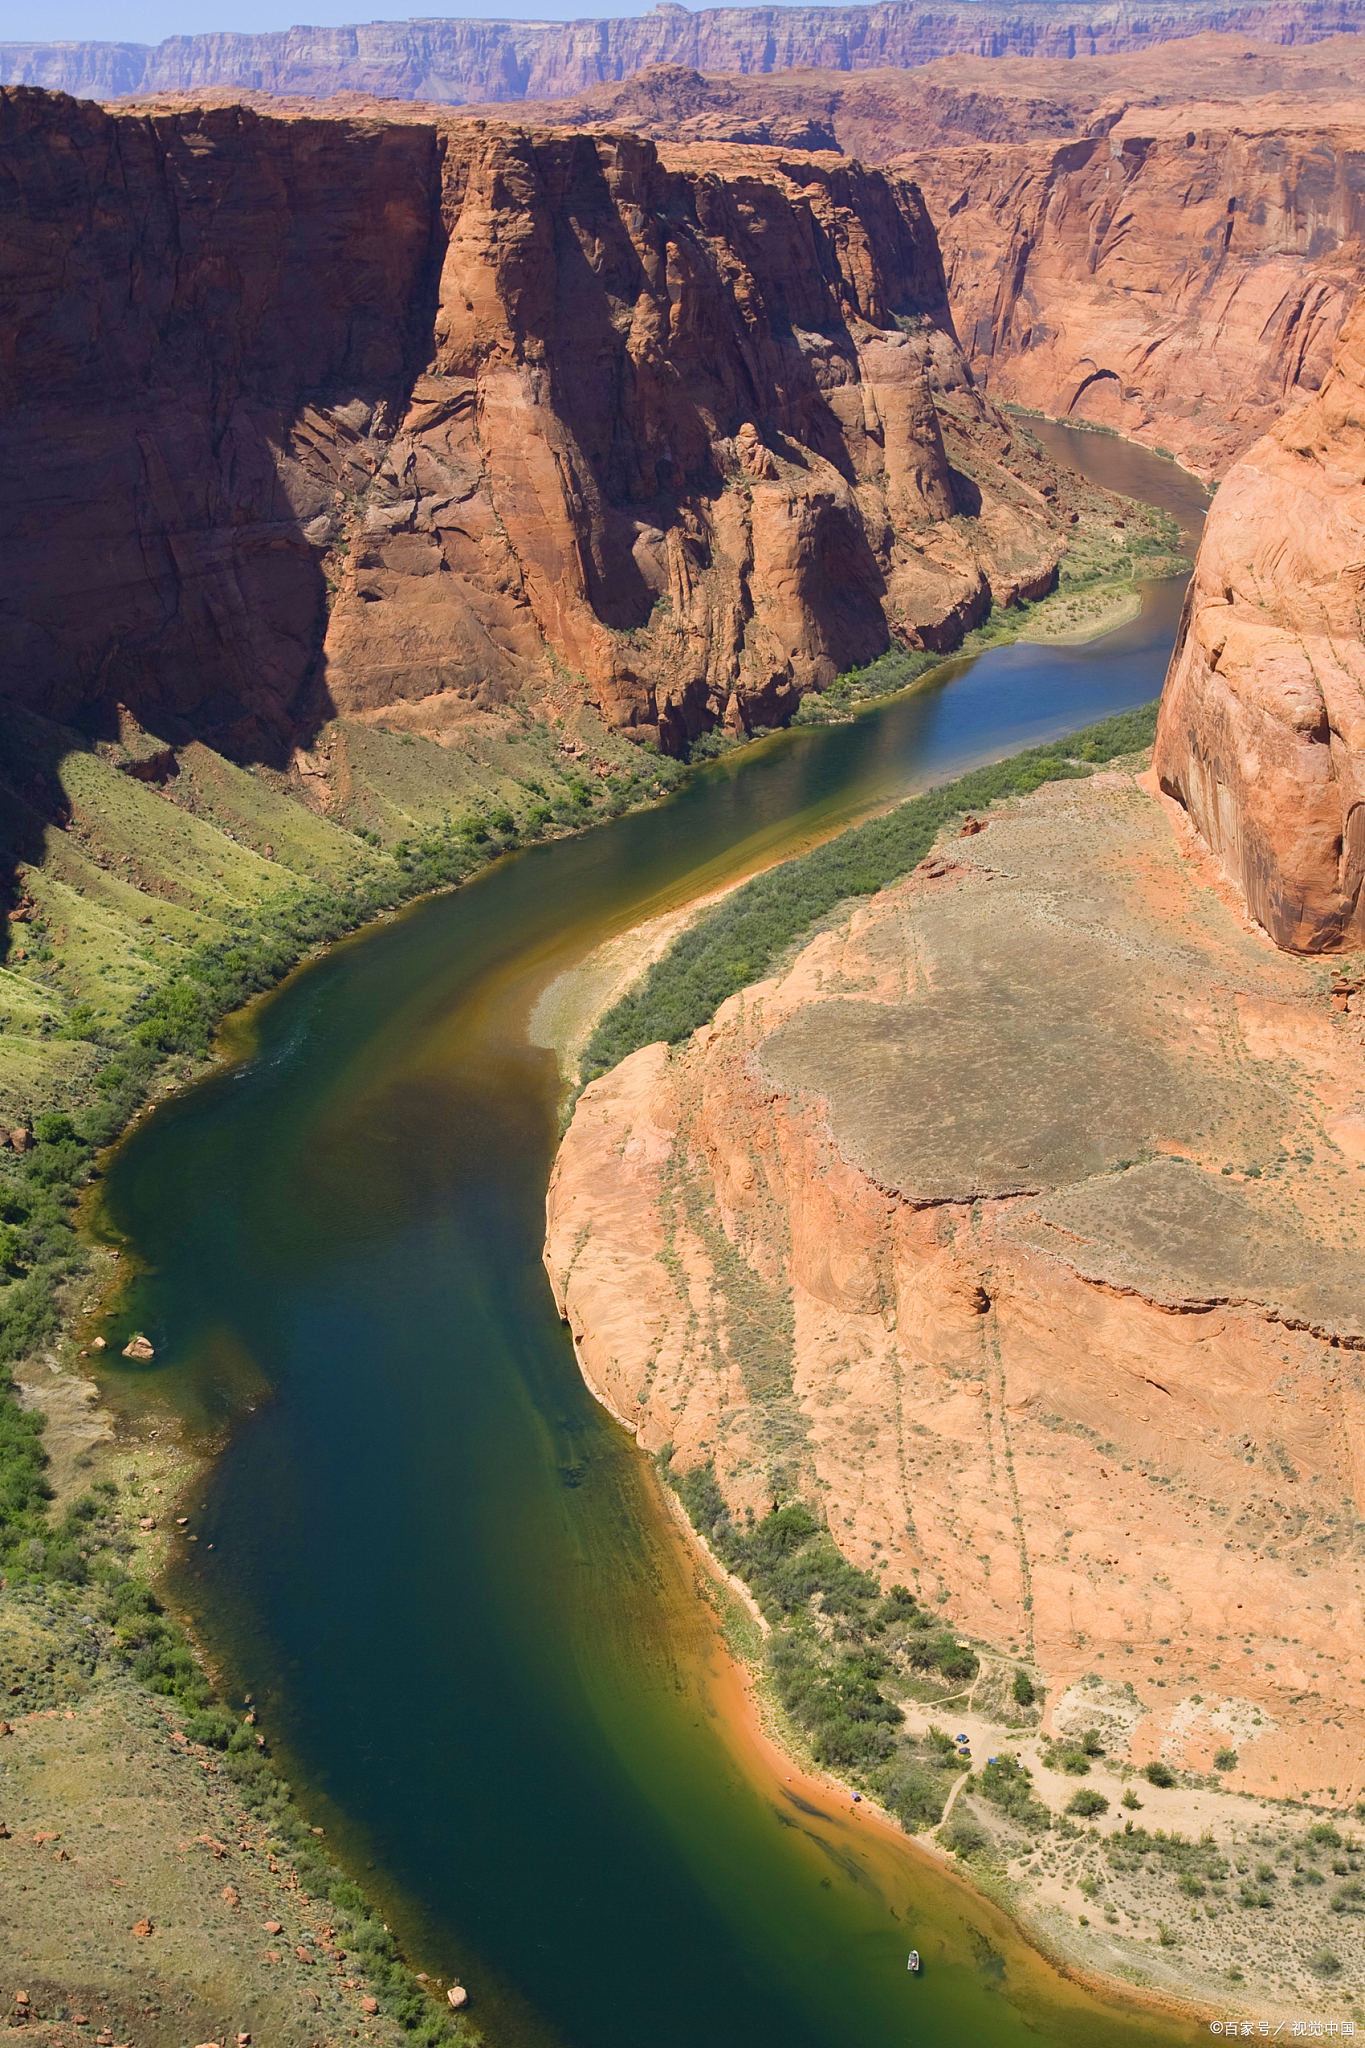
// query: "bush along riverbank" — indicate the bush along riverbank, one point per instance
point(837, 1646)
point(740, 941)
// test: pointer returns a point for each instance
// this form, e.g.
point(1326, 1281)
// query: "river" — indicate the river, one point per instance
point(443, 1572)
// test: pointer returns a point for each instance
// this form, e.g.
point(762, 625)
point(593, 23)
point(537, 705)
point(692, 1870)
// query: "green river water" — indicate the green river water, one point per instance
point(444, 1573)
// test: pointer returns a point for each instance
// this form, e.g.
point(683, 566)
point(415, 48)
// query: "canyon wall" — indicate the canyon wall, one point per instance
point(1179, 277)
point(200, 319)
point(307, 416)
point(456, 62)
point(1164, 243)
point(1262, 732)
point(1015, 1225)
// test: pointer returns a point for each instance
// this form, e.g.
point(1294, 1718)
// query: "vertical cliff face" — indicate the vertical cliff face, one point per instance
point(203, 322)
point(307, 416)
point(1165, 243)
point(1262, 733)
point(674, 431)
point(1181, 275)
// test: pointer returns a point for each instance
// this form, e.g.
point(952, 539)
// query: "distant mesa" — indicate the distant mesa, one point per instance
point(456, 63)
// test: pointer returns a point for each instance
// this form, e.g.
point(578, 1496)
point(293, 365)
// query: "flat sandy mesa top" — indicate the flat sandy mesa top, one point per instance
point(1070, 1010)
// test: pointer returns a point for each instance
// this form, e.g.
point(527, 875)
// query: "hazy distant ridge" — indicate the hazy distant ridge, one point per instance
point(457, 62)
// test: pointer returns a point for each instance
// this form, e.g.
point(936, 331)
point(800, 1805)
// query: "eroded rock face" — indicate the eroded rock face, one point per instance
point(1006, 1226)
point(403, 419)
point(1181, 275)
point(1262, 732)
point(202, 321)
point(673, 429)
point(452, 62)
point(1164, 242)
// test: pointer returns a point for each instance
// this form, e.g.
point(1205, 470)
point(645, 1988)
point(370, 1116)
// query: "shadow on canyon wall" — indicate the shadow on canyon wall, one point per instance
point(203, 316)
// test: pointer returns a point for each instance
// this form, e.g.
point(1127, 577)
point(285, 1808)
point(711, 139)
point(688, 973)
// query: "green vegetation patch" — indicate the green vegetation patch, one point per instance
point(740, 940)
point(837, 1642)
point(1008, 1784)
point(1177, 1855)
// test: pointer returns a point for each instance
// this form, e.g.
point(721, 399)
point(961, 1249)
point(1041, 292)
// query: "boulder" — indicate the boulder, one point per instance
point(138, 1347)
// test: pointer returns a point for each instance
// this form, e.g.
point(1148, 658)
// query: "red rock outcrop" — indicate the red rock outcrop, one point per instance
point(358, 415)
point(201, 322)
point(454, 62)
point(1262, 732)
point(1008, 1226)
point(1179, 278)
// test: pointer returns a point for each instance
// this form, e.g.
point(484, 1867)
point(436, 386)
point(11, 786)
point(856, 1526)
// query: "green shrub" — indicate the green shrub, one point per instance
point(1174, 1851)
point(1159, 1774)
point(1008, 1784)
point(1023, 1688)
point(53, 1128)
point(1087, 1803)
point(1225, 1760)
point(963, 1836)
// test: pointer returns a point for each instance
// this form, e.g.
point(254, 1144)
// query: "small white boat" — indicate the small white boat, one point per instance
point(913, 1963)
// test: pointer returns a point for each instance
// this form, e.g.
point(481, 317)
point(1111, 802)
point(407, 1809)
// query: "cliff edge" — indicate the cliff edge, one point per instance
point(1262, 732)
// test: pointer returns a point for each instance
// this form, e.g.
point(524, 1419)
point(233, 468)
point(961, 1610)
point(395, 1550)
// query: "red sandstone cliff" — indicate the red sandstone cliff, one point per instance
point(1007, 1225)
point(1165, 242)
point(454, 62)
point(1262, 733)
point(309, 415)
point(1180, 278)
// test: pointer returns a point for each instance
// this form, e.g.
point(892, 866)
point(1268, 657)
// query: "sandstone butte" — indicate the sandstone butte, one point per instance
point(1017, 1224)
point(405, 419)
point(1262, 730)
point(458, 61)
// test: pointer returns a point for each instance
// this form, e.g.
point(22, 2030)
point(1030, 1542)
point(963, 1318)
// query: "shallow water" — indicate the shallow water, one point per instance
point(445, 1575)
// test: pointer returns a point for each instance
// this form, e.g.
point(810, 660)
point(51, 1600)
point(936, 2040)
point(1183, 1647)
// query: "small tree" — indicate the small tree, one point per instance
point(1087, 1803)
point(1024, 1690)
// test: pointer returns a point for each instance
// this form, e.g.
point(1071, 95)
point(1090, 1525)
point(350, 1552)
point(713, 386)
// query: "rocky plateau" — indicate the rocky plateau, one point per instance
point(1015, 1223)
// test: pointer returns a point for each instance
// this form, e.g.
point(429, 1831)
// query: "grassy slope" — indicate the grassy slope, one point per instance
point(137, 884)
point(147, 911)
